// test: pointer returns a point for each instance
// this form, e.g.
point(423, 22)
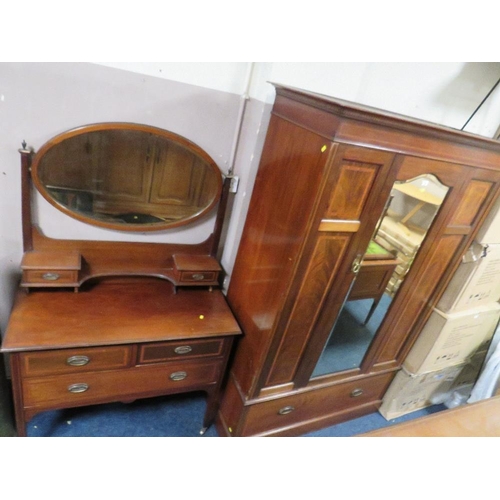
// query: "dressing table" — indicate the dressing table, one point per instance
point(103, 321)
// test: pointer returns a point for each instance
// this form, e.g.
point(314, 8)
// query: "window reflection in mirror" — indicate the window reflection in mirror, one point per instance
point(408, 215)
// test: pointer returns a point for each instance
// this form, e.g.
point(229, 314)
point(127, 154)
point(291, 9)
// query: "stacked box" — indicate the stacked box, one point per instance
point(452, 339)
point(448, 355)
point(408, 393)
point(476, 281)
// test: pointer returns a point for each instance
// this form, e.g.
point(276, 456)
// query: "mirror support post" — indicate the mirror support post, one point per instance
point(220, 222)
point(26, 155)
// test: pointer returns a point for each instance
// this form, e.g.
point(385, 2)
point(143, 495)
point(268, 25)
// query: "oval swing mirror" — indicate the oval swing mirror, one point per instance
point(127, 176)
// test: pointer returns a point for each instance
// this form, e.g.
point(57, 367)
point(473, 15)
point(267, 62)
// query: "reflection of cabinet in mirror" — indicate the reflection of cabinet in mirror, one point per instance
point(121, 173)
point(322, 245)
point(372, 280)
point(147, 321)
point(170, 185)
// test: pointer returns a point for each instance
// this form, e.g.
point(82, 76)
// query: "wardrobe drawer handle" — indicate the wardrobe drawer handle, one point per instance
point(198, 277)
point(178, 376)
point(356, 393)
point(50, 276)
point(76, 388)
point(78, 360)
point(183, 349)
point(286, 410)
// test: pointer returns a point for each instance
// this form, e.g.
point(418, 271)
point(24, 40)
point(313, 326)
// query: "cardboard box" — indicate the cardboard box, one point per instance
point(476, 282)
point(408, 393)
point(452, 339)
point(489, 233)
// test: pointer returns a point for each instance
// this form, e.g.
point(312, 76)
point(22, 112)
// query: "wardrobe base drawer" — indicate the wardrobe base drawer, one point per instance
point(269, 417)
point(117, 385)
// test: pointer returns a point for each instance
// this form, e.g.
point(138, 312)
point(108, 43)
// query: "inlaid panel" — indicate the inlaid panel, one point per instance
point(475, 195)
point(351, 191)
point(426, 280)
point(327, 255)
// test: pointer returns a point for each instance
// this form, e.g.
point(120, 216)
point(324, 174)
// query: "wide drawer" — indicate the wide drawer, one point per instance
point(34, 364)
point(117, 385)
point(272, 416)
point(167, 351)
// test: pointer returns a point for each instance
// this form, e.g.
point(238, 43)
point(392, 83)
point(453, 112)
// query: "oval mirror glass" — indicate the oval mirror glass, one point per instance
point(127, 177)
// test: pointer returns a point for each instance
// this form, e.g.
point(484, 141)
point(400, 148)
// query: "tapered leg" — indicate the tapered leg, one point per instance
point(17, 394)
point(212, 407)
point(372, 310)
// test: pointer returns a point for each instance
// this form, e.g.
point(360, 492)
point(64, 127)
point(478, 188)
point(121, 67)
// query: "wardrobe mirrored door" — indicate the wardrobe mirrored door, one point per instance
point(380, 270)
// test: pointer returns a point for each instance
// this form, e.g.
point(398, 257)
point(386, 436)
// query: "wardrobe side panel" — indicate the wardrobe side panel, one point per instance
point(285, 192)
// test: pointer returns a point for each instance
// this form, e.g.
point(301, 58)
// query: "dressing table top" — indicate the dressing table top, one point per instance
point(126, 312)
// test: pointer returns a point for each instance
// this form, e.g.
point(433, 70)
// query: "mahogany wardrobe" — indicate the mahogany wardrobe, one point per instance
point(357, 221)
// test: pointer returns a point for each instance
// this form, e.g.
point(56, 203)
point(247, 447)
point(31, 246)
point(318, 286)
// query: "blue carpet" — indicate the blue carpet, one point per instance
point(169, 416)
point(173, 416)
point(369, 423)
point(351, 338)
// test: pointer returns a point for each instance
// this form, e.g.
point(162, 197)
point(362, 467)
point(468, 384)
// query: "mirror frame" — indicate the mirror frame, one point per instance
point(124, 227)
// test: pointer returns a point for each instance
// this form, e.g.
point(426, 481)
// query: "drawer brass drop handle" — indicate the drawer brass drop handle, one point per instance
point(356, 393)
point(178, 376)
point(198, 277)
point(50, 276)
point(78, 360)
point(183, 349)
point(286, 410)
point(76, 388)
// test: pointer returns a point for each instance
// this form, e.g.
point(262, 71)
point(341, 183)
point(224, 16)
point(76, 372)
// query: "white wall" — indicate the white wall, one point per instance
point(201, 101)
point(223, 76)
point(444, 93)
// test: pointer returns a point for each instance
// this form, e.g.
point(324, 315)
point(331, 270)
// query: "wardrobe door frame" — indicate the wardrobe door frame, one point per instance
point(289, 346)
point(471, 203)
point(457, 178)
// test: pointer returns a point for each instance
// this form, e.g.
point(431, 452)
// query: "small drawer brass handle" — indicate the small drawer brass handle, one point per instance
point(356, 393)
point(178, 376)
point(50, 276)
point(78, 360)
point(286, 410)
point(76, 388)
point(183, 349)
point(198, 277)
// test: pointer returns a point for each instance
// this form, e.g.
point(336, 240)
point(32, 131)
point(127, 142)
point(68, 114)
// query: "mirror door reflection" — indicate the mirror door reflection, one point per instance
point(399, 233)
